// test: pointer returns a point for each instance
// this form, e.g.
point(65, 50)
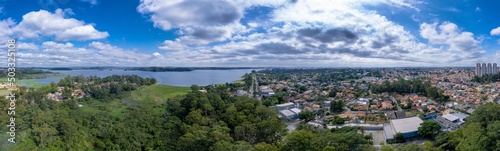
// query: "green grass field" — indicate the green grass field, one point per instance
point(29, 80)
point(29, 83)
point(239, 81)
point(118, 108)
point(158, 92)
point(114, 108)
point(24, 82)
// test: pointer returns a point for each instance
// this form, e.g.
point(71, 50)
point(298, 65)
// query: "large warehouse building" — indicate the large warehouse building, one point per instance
point(407, 126)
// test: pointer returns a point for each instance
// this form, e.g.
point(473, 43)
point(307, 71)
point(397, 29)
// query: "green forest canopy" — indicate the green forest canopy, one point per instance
point(195, 121)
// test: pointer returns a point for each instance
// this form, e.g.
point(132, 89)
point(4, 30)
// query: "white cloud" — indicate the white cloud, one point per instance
point(495, 31)
point(85, 32)
point(92, 2)
point(478, 9)
point(314, 34)
point(109, 54)
point(201, 22)
point(173, 46)
point(43, 23)
point(298, 33)
point(27, 46)
point(448, 34)
point(177, 13)
point(453, 9)
point(63, 49)
point(6, 28)
point(94, 54)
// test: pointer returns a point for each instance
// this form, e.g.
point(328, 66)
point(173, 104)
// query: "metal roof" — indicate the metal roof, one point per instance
point(450, 117)
point(388, 131)
point(406, 125)
point(296, 110)
point(287, 113)
point(286, 104)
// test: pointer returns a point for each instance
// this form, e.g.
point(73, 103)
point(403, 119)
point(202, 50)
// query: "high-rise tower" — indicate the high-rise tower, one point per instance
point(489, 69)
point(483, 69)
point(478, 69)
point(495, 70)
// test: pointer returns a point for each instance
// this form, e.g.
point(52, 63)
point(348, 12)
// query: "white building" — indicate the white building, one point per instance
point(407, 126)
point(452, 121)
point(285, 106)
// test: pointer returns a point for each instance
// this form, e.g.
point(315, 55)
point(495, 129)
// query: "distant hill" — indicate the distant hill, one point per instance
point(60, 69)
point(162, 69)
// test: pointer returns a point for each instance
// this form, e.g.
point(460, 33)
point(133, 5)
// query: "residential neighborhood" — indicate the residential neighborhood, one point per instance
point(292, 91)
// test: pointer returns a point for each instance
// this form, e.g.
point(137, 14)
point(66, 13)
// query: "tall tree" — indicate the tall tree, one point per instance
point(337, 106)
point(429, 129)
point(307, 115)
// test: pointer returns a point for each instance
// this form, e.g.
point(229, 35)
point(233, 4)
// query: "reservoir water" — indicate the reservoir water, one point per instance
point(198, 77)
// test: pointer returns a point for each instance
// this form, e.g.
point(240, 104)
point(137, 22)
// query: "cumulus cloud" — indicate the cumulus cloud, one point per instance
point(43, 23)
point(294, 33)
point(450, 35)
point(27, 46)
point(315, 34)
point(52, 53)
point(193, 18)
point(328, 36)
point(201, 22)
point(495, 31)
point(176, 13)
point(5, 28)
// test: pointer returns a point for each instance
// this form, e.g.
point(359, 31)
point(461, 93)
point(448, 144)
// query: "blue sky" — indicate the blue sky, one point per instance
point(291, 33)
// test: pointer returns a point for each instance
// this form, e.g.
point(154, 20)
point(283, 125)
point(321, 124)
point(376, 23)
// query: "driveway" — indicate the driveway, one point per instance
point(292, 125)
point(378, 136)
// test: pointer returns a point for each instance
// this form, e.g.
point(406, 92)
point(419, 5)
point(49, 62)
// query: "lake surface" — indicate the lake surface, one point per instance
point(199, 77)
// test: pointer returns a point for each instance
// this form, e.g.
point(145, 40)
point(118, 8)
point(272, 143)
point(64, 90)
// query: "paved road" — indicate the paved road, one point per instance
point(377, 126)
point(256, 86)
point(251, 87)
point(397, 104)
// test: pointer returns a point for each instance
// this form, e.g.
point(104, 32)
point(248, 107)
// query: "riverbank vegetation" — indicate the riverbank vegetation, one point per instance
point(133, 113)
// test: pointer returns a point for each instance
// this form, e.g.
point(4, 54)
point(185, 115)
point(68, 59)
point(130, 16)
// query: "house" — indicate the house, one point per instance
point(241, 93)
point(387, 105)
point(361, 114)
point(266, 91)
point(363, 107)
point(79, 93)
point(395, 114)
point(57, 96)
point(452, 121)
point(432, 106)
point(347, 115)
